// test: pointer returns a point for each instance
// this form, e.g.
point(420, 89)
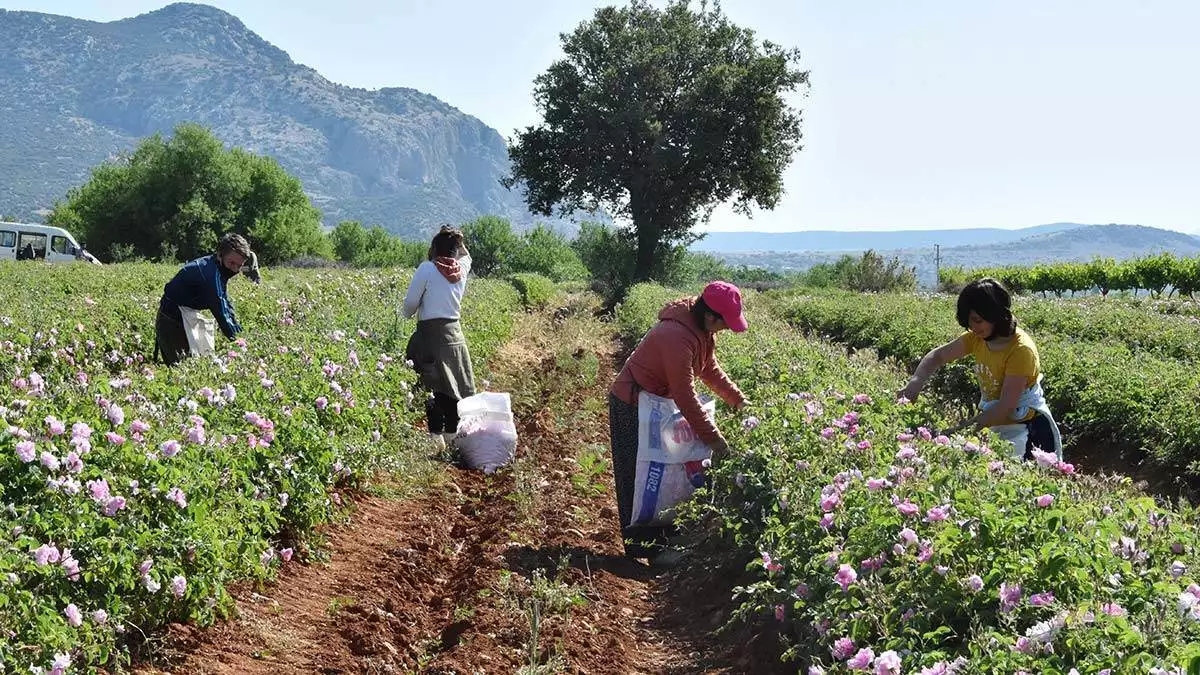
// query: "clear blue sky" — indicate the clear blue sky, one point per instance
point(921, 114)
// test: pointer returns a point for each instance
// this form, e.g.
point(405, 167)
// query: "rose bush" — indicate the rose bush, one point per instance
point(880, 546)
point(1107, 379)
point(132, 494)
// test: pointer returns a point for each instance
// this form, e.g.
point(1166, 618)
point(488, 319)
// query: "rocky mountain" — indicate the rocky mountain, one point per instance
point(1077, 243)
point(74, 93)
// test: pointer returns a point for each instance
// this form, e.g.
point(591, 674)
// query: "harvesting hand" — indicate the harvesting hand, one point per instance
point(720, 449)
point(910, 391)
point(930, 363)
point(951, 430)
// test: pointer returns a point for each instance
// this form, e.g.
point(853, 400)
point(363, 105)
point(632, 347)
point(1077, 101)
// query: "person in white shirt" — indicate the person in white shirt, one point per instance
point(437, 348)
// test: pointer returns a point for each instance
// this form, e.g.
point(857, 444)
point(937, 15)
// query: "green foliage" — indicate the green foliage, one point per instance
point(349, 240)
point(814, 484)
point(535, 289)
point(610, 253)
point(288, 233)
point(1186, 278)
point(590, 479)
point(352, 243)
point(703, 268)
point(1103, 275)
point(175, 198)
point(873, 274)
point(658, 115)
point(869, 273)
point(548, 253)
point(815, 487)
point(1154, 273)
point(289, 418)
point(638, 312)
point(492, 244)
point(498, 251)
point(1119, 376)
point(829, 275)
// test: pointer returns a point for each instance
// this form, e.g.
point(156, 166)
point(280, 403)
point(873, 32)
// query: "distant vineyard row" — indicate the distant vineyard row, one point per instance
point(1156, 274)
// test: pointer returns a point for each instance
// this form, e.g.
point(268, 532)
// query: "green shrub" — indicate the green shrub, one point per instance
point(831, 483)
point(638, 312)
point(1121, 376)
point(242, 456)
point(536, 290)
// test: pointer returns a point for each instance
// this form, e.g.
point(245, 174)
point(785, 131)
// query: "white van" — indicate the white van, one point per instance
point(41, 242)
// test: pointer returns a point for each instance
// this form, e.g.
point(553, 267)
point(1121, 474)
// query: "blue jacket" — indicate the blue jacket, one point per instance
point(200, 284)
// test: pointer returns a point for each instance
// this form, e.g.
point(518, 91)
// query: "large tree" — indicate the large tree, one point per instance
point(174, 198)
point(659, 115)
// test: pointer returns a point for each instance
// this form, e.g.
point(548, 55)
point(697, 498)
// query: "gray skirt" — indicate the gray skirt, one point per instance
point(440, 356)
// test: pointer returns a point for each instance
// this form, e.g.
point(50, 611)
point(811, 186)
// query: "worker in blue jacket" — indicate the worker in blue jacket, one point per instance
point(199, 285)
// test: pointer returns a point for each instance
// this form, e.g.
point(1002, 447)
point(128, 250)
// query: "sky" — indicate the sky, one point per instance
point(921, 114)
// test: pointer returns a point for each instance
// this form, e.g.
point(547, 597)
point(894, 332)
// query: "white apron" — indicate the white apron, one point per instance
point(200, 331)
point(1018, 434)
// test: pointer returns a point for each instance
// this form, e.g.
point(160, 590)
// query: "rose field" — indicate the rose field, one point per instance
point(276, 508)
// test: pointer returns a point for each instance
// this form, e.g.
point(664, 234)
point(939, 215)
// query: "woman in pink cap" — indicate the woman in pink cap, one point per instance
point(676, 351)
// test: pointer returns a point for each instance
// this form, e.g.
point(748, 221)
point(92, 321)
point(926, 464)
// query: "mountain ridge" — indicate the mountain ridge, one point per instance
point(846, 240)
point(1073, 244)
point(77, 92)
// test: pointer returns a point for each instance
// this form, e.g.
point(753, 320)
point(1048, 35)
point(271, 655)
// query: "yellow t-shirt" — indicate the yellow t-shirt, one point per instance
point(1019, 357)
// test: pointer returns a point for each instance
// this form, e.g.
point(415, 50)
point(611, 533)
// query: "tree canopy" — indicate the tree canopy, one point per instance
point(175, 198)
point(374, 247)
point(658, 115)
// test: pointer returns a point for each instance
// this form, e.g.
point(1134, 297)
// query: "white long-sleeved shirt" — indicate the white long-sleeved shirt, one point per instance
point(433, 295)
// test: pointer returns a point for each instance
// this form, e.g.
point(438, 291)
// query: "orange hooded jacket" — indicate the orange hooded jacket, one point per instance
point(666, 363)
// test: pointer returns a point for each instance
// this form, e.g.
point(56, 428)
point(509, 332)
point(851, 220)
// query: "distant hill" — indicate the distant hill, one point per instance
point(833, 240)
point(1078, 243)
point(74, 92)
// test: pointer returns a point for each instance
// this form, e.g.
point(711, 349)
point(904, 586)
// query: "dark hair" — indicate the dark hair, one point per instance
point(991, 301)
point(233, 243)
point(446, 242)
point(700, 309)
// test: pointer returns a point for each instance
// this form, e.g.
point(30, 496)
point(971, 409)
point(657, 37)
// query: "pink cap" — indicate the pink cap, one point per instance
point(725, 299)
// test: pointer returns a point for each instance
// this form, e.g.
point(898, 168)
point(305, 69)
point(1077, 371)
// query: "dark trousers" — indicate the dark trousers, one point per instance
point(1041, 435)
point(170, 339)
point(442, 412)
point(641, 541)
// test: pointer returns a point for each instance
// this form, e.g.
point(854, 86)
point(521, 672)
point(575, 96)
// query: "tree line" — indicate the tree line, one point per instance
point(1158, 274)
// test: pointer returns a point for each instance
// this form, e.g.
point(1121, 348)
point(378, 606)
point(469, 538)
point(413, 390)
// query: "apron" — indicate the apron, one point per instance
point(200, 331)
point(1032, 398)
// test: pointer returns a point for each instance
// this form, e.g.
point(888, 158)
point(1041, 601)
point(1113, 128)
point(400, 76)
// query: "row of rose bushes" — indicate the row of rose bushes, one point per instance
point(132, 495)
point(879, 546)
point(1126, 395)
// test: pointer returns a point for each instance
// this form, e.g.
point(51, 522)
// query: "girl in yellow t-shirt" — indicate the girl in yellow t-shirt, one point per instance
point(1007, 365)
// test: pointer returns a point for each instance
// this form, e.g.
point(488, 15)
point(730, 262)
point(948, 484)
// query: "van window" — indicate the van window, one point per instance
point(8, 239)
point(60, 245)
point(38, 241)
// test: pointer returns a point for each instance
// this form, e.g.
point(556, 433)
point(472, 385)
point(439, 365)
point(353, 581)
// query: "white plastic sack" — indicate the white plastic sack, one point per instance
point(200, 331)
point(486, 436)
point(670, 460)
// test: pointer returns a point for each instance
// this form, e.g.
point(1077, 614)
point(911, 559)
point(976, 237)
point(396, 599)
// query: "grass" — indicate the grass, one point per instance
point(540, 599)
point(591, 477)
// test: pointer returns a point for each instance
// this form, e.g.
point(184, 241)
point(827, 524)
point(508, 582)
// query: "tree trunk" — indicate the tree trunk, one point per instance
point(647, 244)
point(646, 226)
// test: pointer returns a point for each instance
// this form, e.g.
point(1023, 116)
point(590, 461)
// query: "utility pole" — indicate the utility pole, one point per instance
point(937, 261)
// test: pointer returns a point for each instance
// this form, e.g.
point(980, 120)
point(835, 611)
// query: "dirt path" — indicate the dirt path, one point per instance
point(514, 572)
